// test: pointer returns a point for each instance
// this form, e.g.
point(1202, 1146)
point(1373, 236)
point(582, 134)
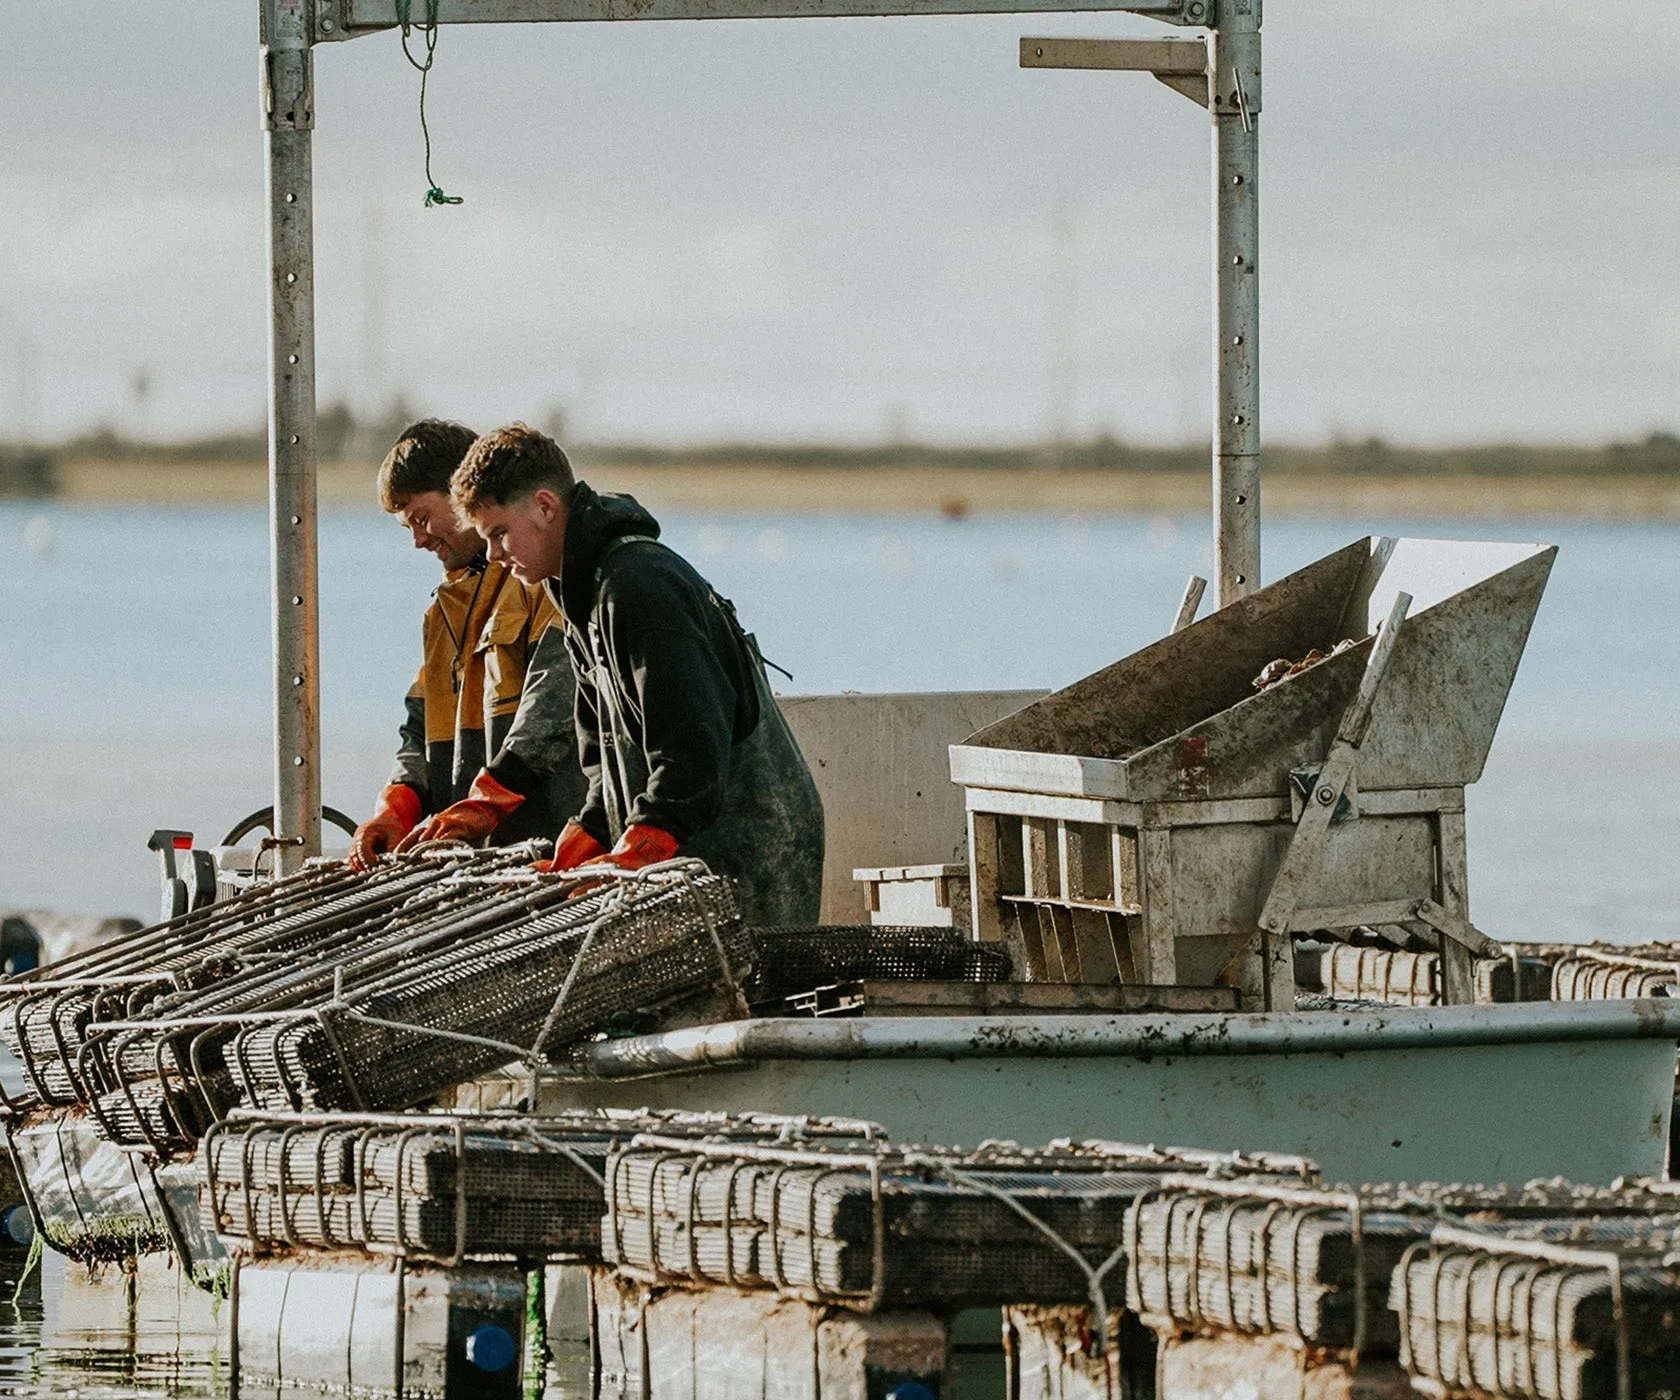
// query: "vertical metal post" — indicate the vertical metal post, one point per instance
point(1234, 100)
point(288, 79)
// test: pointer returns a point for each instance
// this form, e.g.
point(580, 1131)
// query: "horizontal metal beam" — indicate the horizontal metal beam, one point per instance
point(1179, 63)
point(1118, 55)
point(346, 19)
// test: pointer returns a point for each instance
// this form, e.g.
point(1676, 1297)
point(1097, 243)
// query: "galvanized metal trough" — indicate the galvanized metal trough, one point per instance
point(1166, 821)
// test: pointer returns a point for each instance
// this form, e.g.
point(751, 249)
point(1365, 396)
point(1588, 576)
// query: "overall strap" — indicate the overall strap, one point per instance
point(612, 546)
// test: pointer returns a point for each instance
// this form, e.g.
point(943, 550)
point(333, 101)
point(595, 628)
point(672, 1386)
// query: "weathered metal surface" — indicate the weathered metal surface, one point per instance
point(288, 122)
point(1410, 1094)
point(878, 998)
point(1234, 101)
point(1240, 1368)
point(714, 1345)
point(1128, 731)
point(1189, 768)
point(351, 1324)
point(355, 17)
point(881, 767)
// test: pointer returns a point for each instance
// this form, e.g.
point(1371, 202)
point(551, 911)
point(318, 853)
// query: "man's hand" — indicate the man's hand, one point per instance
point(475, 817)
point(393, 818)
point(639, 846)
point(574, 847)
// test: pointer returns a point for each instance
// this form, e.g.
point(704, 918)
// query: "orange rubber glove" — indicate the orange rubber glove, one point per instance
point(573, 848)
point(394, 816)
point(639, 846)
point(485, 807)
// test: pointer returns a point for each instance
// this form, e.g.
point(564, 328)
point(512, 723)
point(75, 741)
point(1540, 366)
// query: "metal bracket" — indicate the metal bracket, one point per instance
point(1191, 601)
point(1306, 847)
point(293, 109)
point(1182, 64)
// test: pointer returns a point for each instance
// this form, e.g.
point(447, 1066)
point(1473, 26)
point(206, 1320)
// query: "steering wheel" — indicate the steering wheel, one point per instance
point(264, 819)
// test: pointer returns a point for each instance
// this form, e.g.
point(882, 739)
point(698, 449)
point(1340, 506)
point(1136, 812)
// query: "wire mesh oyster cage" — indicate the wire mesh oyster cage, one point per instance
point(1567, 1309)
point(789, 961)
point(193, 961)
point(885, 1227)
point(1264, 1258)
point(1596, 973)
point(380, 990)
point(44, 1014)
point(523, 983)
point(1315, 1264)
point(447, 1186)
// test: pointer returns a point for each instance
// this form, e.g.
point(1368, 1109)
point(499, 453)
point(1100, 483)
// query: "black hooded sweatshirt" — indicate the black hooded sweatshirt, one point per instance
point(676, 725)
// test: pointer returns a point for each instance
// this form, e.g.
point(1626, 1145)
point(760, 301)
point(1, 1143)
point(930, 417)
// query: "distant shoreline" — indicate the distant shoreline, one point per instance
point(1294, 490)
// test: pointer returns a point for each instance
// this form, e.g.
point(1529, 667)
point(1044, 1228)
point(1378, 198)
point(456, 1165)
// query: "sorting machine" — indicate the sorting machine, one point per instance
point(1165, 821)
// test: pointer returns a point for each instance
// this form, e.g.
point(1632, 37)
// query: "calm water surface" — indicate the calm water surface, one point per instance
point(134, 686)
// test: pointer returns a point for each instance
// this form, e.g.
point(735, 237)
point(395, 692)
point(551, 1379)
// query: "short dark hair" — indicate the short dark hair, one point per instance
point(423, 460)
point(510, 462)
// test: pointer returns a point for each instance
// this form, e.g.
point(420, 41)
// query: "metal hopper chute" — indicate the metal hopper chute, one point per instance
point(1167, 821)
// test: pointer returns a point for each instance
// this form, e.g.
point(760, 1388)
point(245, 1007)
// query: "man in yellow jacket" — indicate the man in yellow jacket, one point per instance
point(488, 748)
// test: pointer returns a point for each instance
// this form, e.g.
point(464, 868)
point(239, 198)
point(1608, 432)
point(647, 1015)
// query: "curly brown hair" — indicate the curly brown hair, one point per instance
point(509, 462)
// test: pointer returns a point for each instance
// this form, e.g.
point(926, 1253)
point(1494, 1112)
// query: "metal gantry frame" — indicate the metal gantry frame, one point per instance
point(1220, 70)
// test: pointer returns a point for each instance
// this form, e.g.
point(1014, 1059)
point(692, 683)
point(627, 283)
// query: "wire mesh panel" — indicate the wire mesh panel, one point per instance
point(447, 1186)
point(336, 990)
point(1554, 1309)
point(1260, 1259)
point(793, 960)
point(45, 1014)
point(1595, 976)
point(922, 1227)
point(531, 985)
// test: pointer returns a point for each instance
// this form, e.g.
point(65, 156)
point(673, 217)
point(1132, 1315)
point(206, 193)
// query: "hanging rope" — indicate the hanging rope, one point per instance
point(434, 191)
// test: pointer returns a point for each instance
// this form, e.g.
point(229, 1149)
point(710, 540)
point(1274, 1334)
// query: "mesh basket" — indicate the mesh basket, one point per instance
point(878, 1229)
point(46, 1015)
point(1268, 1261)
point(1588, 979)
point(450, 1186)
point(793, 960)
point(645, 944)
point(1478, 1318)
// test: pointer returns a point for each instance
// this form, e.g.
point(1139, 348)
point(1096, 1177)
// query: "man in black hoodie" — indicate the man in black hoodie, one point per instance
point(682, 743)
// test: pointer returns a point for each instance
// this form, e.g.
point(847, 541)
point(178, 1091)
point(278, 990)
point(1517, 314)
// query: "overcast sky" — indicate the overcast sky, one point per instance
point(849, 229)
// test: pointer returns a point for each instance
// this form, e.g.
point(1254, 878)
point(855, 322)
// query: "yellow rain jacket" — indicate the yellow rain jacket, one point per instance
point(494, 691)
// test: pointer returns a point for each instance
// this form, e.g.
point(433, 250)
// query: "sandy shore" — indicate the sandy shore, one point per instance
point(750, 489)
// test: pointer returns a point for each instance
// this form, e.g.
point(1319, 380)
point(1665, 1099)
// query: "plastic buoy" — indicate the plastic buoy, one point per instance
point(20, 1228)
point(490, 1348)
point(910, 1390)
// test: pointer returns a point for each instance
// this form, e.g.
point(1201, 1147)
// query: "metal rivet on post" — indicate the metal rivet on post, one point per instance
point(294, 439)
point(1236, 340)
point(291, 198)
point(327, 26)
point(297, 520)
point(291, 359)
point(297, 600)
point(1242, 500)
point(297, 680)
point(298, 761)
point(291, 277)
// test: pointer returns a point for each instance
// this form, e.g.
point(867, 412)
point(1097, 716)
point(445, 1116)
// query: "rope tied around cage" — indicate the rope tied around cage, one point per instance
point(429, 32)
point(1094, 1276)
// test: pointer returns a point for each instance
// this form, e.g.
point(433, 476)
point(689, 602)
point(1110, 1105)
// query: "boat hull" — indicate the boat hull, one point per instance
point(1486, 1093)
